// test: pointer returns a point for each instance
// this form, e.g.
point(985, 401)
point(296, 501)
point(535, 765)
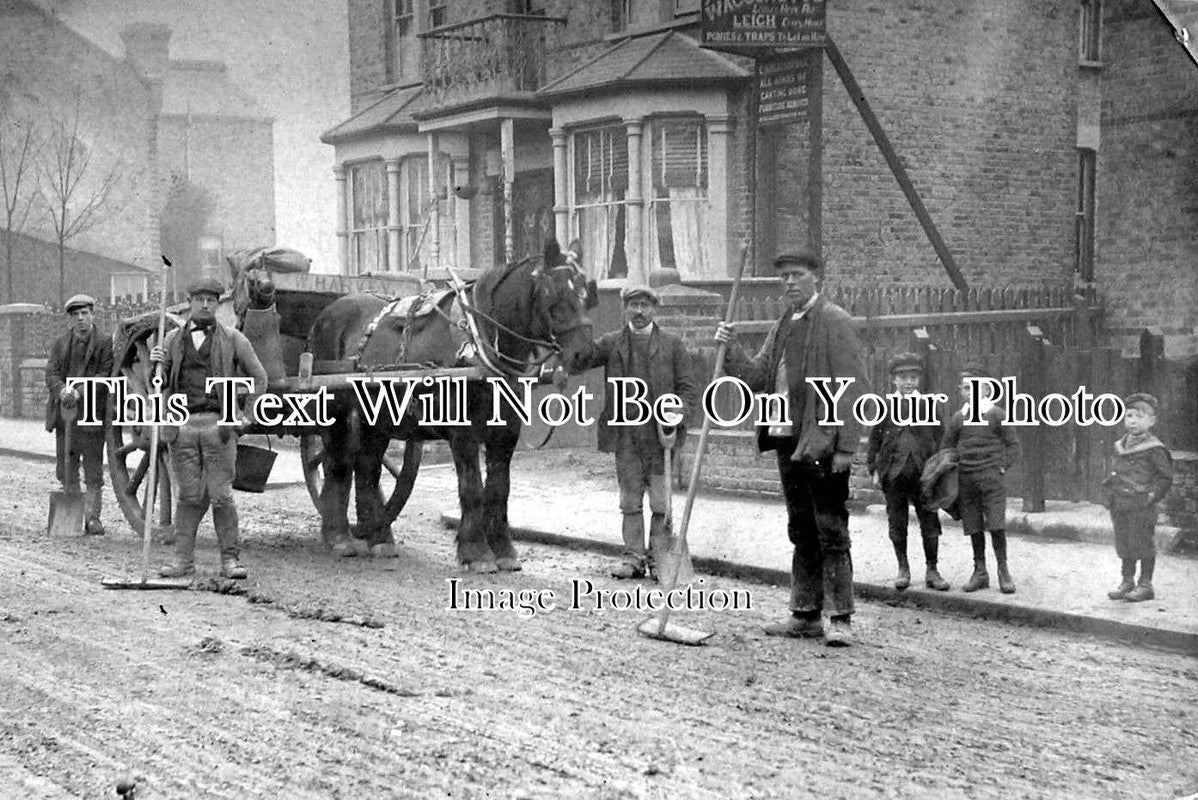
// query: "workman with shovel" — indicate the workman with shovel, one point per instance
point(204, 454)
point(81, 352)
point(641, 349)
point(814, 338)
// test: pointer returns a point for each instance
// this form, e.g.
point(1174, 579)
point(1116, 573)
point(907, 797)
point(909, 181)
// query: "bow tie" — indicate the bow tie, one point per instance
point(204, 325)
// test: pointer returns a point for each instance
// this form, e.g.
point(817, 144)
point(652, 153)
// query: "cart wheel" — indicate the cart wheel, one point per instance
point(128, 465)
point(400, 466)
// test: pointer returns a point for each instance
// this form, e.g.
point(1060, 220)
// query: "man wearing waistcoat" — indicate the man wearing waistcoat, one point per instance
point(203, 453)
point(81, 352)
point(640, 349)
point(815, 338)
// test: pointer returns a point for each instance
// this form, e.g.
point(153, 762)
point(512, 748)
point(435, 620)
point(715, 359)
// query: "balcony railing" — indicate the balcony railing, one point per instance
point(501, 56)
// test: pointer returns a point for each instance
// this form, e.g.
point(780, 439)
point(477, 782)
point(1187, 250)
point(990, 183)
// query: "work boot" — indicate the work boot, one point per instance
point(224, 520)
point(980, 579)
point(632, 563)
point(933, 580)
point(1005, 584)
point(1142, 592)
point(231, 569)
point(92, 502)
point(187, 522)
point(660, 541)
point(839, 633)
point(1120, 593)
point(796, 627)
point(904, 571)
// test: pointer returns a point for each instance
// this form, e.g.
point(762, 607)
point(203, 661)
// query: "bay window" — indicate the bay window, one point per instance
point(367, 217)
point(600, 198)
point(677, 201)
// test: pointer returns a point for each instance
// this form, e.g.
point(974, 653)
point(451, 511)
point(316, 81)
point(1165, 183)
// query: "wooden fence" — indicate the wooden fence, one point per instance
point(1046, 336)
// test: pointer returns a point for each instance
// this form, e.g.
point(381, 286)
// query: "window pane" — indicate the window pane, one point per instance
point(600, 164)
point(679, 154)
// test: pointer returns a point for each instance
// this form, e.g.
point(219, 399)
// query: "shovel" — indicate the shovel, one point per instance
point(152, 479)
point(66, 507)
point(677, 566)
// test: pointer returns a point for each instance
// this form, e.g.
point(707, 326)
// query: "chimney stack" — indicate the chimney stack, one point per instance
point(147, 49)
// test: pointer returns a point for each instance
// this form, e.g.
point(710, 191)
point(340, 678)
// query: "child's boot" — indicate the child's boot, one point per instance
point(904, 569)
point(980, 579)
point(1142, 591)
point(1128, 581)
point(998, 539)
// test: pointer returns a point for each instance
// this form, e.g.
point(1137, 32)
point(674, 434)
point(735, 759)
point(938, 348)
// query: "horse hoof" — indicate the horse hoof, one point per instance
point(383, 551)
point(508, 564)
point(343, 550)
point(482, 567)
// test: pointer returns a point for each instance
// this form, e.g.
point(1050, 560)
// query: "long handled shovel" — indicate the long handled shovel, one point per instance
point(66, 506)
point(152, 477)
point(677, 562)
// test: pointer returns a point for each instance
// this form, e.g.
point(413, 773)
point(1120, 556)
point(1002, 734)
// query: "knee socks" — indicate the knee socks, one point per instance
point(978, 542)
point(1129, 569)
point(998, 540)
point(1147, 565)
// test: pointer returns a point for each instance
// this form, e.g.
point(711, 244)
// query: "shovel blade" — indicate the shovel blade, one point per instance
point(676, 568)
point(672, 632)
point(66, 514)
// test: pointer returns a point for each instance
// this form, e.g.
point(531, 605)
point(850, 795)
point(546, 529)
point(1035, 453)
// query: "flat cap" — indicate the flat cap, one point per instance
point(905, 361)
point(630, 292)
point(1142, 399)
point(977, 368)
point(801, 258)
point(205, 286)
point(79, 301)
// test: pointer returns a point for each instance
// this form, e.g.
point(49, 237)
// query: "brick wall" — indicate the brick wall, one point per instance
point(978, 101)
point(50, 71)
point(1147, 209)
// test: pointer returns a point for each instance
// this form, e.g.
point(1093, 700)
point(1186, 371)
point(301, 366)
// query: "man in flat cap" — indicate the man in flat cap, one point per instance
point(641, 349)
point(204, 454)
point(814, 338)
point(81, 352)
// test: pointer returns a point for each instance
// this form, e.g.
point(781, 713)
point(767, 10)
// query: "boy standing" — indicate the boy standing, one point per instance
point(985, 453)
point(896, 456)
point(1141, 476)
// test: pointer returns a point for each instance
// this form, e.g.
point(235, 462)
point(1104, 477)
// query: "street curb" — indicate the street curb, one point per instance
point(1180, 642)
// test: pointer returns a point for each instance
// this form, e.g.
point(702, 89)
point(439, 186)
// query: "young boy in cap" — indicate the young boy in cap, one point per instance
point(641, 349)
point(1141, 476)
point(204, 454)
point(895, 457)
point(81, 352)
point(984, 454)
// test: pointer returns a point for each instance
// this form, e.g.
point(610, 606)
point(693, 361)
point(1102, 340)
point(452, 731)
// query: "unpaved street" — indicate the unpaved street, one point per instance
point(352, 679)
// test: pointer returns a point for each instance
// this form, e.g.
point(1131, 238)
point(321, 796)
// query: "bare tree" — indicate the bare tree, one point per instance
point(76, 200)
point(18, 153)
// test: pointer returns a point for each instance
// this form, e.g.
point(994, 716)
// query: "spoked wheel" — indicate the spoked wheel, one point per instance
point(400, 467)
point(128, 466)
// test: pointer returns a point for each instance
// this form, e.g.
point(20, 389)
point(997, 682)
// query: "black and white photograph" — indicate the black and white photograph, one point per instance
point(598, 399)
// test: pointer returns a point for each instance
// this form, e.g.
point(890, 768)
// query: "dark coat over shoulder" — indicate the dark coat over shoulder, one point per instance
point(97, 364)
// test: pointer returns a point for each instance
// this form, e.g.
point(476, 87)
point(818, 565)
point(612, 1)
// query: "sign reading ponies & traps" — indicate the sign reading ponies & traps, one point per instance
point(751, 24)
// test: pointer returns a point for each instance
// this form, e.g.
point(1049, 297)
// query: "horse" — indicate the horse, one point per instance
point(521, 319)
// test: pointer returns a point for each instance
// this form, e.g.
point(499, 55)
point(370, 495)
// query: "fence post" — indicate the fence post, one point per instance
point(1035, 378)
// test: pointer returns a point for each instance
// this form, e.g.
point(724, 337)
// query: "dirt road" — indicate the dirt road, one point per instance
point(353, 679)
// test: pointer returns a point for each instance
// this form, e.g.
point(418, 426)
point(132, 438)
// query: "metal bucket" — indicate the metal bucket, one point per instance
point(253, 467)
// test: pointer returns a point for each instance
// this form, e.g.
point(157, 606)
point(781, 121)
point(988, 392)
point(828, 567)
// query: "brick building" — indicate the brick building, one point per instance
point(606, 122)
point(192, 157)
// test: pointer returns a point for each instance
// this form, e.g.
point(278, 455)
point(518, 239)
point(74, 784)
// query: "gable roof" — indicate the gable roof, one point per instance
point(659, 60)
point(203, 89)
point(392, 112)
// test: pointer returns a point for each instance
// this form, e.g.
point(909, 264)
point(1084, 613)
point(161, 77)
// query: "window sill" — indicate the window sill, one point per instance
point(1084, 63)
point(685, 21)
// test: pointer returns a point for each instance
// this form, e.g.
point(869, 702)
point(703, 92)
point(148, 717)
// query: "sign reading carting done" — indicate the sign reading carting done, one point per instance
point(782, 88)
point(752, 24)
